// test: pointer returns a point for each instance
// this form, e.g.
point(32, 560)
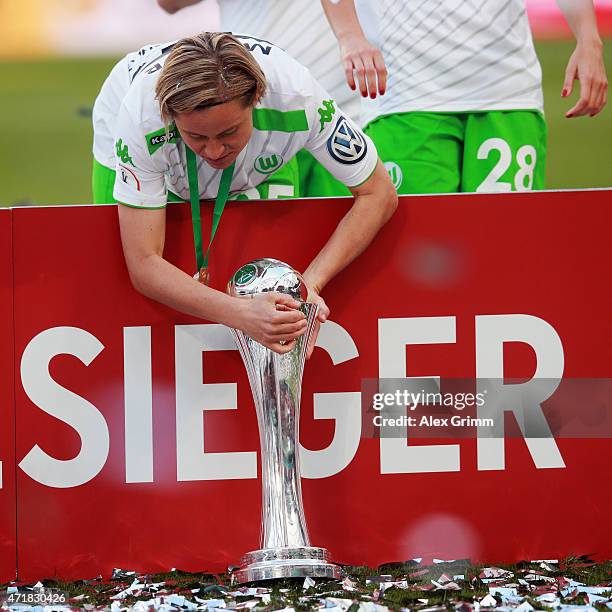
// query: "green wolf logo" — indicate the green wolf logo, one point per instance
point(266, 164)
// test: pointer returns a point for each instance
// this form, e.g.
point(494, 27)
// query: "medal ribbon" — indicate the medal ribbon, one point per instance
point(194, 197)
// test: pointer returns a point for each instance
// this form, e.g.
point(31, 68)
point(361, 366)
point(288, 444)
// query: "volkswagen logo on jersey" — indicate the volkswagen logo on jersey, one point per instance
point(345, 144)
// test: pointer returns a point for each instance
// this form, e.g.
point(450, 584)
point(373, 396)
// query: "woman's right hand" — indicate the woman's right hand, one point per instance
point(272, 319)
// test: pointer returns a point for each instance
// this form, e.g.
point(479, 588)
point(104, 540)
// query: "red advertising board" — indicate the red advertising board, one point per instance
point(136, 433)
point(8, 544)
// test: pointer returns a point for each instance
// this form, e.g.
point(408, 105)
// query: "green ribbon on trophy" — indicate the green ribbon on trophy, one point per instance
point(194, 197)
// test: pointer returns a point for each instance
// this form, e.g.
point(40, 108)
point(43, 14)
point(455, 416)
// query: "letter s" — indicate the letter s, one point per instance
point(64, 405)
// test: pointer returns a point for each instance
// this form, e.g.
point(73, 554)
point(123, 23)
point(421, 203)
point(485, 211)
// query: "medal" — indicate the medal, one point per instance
point(203, 275)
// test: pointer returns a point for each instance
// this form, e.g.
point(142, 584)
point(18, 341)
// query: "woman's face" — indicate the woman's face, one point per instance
point(219, 133)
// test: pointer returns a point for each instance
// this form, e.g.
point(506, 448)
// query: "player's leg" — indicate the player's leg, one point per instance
point(316, 180)
point(421, 151)
point(504, 151)
point(102, 183)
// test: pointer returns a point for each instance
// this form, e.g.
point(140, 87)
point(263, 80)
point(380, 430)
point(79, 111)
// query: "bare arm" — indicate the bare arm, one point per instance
point(375, 202)
point(142, 236)
point(173, 6)
point(586, 62)
point(356, 52)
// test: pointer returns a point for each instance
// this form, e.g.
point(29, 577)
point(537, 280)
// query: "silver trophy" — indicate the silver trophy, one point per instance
point(276, 383)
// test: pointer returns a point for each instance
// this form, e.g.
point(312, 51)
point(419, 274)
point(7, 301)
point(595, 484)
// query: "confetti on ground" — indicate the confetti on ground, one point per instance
point(574, 584)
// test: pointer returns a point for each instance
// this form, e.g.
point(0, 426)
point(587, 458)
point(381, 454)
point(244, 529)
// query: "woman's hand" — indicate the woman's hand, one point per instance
point(363, 59)
point(322, 315)
point(272, 319)
point(586, 65)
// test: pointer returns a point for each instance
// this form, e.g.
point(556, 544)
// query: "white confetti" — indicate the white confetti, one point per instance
point(308, 582)
point(488, 601)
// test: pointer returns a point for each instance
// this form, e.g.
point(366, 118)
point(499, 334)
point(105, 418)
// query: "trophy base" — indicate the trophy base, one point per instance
point(291, 562)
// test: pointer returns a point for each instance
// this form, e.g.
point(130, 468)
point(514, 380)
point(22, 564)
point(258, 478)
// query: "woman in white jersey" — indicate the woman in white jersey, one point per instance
point(463, 107)
point(210, 110)
point(301, 29)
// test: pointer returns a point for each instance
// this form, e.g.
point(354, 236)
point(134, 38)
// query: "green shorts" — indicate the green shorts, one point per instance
point(495, 151)
point(316, 180)
point(102, 183)
point(284, 183)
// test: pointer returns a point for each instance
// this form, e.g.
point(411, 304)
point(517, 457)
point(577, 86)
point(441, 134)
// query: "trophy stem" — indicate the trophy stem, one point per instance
point(284, 524)
point(276, 383)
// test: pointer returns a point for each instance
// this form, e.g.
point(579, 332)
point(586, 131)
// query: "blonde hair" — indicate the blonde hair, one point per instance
point(207, 69)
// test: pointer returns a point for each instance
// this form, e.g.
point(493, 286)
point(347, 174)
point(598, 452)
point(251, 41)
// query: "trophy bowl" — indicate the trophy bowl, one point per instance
point(262, 275)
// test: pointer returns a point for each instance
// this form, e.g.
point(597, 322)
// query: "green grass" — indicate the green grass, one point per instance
point(579, 149)
point(46, 157)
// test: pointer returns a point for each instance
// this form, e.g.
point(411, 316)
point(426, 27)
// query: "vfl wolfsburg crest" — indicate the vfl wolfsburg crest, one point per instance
point(396, 174)
point(345, 144)
point(266, 164)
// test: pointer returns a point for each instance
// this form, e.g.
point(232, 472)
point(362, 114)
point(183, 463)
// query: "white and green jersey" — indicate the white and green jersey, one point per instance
point(301, 29)
point(295, 113)
point(108, 102)
point(452, 55)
